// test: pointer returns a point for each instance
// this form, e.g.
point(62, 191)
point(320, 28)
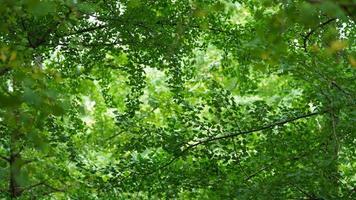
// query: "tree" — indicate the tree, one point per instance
point(183, 99)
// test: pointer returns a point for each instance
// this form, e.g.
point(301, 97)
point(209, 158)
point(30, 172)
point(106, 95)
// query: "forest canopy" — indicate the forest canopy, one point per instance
point(177, 99)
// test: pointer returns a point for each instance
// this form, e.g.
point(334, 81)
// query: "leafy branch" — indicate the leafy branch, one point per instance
point(347, 7)
point(44, 184)
point(311, 32)
point(235, 134)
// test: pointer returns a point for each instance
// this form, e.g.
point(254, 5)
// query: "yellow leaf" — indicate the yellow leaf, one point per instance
point(337, 45)
point(352, 61)
point(3, 57)
point(13, 56)
point(199, 12)
point(264, 55)
point(315, 48)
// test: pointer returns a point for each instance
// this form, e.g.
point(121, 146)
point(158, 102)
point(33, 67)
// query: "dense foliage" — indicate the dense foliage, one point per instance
point(177, 99)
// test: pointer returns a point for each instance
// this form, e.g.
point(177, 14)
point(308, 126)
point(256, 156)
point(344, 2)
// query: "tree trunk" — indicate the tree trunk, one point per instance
point(15, 169)
point(15, 189)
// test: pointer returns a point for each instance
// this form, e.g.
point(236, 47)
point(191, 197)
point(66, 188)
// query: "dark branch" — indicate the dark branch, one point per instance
point(310, 196)
point(280, 123)
point(4, 70)
point(137, 23)
point(36, 39)
point(26, 162)
point(234, 134)
point(311, 32)
point(5, 158)
point(85, 30)
point(264, 168)
point(53, 188)
point(43, 184)
point(32, 186)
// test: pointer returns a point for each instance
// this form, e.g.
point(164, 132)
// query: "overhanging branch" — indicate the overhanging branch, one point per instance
point(235, 134)
point(311, 32)
point(108, 24)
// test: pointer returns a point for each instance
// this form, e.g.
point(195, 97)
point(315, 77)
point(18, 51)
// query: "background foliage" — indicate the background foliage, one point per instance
point(198, 99)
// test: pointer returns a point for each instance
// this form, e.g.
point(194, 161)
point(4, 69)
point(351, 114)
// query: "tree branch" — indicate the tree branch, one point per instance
point(269, 165)
point(4, 70)
point(5, 158)
point(53, 188)
point(84, 30)
point(234, 134)
point(280, 123)
point(310, 196)
point(32, 186)
point(26, 162)
point(311, 32)
point(137, 23)
point(43, 183)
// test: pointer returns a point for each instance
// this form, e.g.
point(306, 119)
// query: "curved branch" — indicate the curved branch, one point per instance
point(234, 134)
point(311, 32)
